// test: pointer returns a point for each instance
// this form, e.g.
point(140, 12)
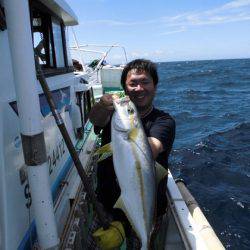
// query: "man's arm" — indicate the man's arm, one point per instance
point(161, 136)
point(156, 146)
point(101, 112)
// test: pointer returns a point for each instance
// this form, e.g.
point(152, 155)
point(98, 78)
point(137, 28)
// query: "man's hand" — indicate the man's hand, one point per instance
point(106, 102)
point(101, 112)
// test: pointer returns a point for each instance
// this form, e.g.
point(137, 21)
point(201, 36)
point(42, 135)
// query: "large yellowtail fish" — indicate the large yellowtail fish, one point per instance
point(134, 168)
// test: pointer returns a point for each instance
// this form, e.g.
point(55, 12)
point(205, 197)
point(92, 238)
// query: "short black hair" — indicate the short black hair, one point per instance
point(141, 65)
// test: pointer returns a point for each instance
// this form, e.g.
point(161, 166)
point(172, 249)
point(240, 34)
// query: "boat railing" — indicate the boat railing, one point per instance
point(84, 49)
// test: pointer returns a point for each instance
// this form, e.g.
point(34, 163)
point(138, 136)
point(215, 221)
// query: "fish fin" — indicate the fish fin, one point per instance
point(104, 152)
point(161, 172)
point(104, 149)
point(119, 204)
point(133, 134)
point(104, 156)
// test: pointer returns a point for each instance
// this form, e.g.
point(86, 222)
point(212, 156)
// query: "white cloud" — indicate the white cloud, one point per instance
point(106, 22)
point(159, 52)
point(234, 11)
point(170, 32)
point(111, 22)
point(152, 54)
point(236, 4)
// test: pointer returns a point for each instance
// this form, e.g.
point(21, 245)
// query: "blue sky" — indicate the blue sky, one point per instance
point(164, 30)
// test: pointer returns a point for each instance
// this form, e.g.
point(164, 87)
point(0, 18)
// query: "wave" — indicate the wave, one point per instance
point(191, 75)
point(240, 130)
point(222, 155)
point(228, 84)
point(220, 147)
point(183, 116)
point(235, 139)
point(193, 94)
point(212, 147)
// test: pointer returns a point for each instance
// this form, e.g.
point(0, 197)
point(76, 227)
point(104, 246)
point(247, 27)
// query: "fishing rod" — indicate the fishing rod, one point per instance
point(60, 124)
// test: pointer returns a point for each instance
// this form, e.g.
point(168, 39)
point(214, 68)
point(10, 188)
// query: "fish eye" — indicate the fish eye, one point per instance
point(131, 110)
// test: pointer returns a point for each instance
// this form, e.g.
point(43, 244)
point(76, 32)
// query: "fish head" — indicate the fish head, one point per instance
point(125, 117)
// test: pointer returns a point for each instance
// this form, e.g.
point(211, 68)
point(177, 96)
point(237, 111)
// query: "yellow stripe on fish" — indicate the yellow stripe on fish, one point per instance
point(133, 133)
point(140, 177)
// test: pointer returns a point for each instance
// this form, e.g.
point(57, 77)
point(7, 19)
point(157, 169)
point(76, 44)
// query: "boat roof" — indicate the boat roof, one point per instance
point(63, 10)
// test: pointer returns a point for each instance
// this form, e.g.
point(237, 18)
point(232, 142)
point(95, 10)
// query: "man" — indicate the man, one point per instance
point(139, 80)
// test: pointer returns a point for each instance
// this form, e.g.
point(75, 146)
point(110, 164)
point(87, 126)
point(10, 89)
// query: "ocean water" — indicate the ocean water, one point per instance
point(210, 101)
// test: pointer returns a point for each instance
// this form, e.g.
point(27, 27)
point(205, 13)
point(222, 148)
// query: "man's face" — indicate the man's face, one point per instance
point(140, 88)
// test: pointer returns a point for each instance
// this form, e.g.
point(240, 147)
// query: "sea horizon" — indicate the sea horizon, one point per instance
point(181, 61)
point(198, 60)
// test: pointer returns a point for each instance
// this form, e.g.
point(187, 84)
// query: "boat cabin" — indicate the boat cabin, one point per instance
point(46, 23)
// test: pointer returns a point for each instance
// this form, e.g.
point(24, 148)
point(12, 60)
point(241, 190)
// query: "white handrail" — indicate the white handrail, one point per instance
point(81, 48)
point(88, 50)
point(104, 46)
point(77, 46)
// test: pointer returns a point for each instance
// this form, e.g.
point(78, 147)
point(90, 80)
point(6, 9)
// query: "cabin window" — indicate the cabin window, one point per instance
point(49, 40)
point(42, 39)
point(86, 106)
point(88, 103)
point(57, 34)
point(92, 97)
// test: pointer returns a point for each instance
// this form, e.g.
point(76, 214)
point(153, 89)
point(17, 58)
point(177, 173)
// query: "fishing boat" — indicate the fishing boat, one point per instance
point(44, 204)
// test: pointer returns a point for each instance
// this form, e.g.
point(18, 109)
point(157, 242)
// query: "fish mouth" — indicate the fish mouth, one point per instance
point(124, 117)
point(124, 107)
point(122, 125)
point(121, 101)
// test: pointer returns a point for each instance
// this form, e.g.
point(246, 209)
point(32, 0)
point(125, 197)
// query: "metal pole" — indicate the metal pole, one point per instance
point(60, 123)
point(78, 48)
point(22, 55)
